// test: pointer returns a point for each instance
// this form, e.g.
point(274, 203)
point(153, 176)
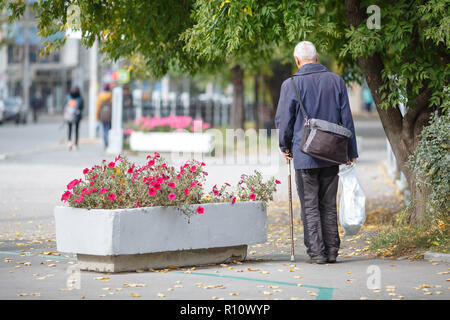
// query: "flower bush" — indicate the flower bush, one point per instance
point(121, 184)
point(167, 124)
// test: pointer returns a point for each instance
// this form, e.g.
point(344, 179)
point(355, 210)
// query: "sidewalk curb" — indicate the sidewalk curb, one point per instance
point(436, 256)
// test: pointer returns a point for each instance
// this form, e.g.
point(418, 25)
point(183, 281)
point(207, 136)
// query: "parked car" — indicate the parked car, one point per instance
point(2, 111)
point(15, 110)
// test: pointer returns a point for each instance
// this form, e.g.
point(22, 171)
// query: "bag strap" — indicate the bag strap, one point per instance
point(305, 116)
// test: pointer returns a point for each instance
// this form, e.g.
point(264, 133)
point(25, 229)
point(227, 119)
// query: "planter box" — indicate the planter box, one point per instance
point(158, 237)
point(171, 142)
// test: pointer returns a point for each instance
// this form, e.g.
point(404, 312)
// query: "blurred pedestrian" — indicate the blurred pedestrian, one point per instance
point(73, 110)
point(127, 104)
point(104, 111)
point(367, 98)
point(36, 105)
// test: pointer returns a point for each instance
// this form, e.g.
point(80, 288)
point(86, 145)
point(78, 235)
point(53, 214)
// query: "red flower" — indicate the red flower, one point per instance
point(157, 155)
point(137, 204)
point(216, 192)
point(103, 190)
point(80, 199)
point(66, 196)
point(86, 171)
point(111, 164)
point(193, 184)
point(172, 185)
point(234, 200)
point(252, 196)
point(111, 197)
point(186, 191)
point(200, 210)
point(152, 192)
point(94, 176)
point(193, 169)
point(151, 162)
point(73, 183)
point(277, 181)
point(172, 196)
point(130, 170)
point(91, 190)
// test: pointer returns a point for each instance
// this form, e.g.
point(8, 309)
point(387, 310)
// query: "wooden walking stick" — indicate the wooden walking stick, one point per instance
point(291, 216)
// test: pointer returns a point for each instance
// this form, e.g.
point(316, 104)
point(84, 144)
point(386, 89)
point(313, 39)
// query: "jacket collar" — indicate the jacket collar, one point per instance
point(311, 68)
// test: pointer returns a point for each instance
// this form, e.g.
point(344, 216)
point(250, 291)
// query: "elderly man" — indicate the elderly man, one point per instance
point(324, 96)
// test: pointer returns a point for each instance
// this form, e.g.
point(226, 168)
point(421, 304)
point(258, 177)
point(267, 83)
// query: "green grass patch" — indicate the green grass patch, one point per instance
point(403, 239)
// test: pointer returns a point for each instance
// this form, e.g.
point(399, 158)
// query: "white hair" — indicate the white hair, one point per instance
point(305, 50)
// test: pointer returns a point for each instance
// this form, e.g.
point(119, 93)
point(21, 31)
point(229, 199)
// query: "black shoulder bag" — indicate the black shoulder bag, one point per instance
point(323, 139)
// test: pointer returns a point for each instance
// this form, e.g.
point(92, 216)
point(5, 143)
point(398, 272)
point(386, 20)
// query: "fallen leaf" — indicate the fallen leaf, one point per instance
point(134, 285)
point(101, 278)
point(135, 295)
point(235, 293)
point(267, 293)
point(161, 295)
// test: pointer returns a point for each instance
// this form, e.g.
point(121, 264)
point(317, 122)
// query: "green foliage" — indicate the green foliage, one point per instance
point(190, 35)
point(431, 164)
point(401, 238)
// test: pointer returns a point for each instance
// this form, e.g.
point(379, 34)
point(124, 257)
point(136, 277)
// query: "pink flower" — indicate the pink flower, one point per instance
point(91, 190)
point(234, 200)
point(172, 185)
point(277, 181)
point(152, 192)
point(172, 196)
point(193, 184)
point(216, 192)
point(157, 155)
point(80, 199)
point(111, 164)
point(151, 162)
point(103, 190)
point(84, 191)
point(86, 171)
point(111, 197)
point(73, 183)
point(252, 196)
point(186, 191)
point(200, 210)
point(66, 196)
point(138, 204)
point(130, 170)
point(193, 169)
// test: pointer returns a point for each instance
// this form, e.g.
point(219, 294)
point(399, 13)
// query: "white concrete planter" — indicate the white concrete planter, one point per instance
point(158, 237)
point(171, 142)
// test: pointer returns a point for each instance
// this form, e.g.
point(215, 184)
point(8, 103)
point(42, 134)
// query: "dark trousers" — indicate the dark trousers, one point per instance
point(317, 190)
point(76, 126)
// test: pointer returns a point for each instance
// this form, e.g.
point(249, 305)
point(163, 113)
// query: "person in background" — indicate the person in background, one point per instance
point(36, 105)
point(73, 111)
point(104, 111)
point(367, 98)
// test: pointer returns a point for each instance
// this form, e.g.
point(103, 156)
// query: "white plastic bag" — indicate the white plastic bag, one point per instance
point(352, 207)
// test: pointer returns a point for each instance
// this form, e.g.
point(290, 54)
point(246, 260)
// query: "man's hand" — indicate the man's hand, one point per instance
point(350, 161)
point(287, 155)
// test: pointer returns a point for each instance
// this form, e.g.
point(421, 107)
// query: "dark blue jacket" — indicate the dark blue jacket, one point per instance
point(324, 96)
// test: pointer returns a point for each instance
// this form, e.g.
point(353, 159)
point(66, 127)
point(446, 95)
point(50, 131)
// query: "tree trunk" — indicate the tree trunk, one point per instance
point(256, 104)
point(403, 132)
point(237, 105)
point(273, 82)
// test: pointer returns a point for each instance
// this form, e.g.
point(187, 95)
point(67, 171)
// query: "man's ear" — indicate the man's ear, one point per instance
point(317, 58)
point(297, 61)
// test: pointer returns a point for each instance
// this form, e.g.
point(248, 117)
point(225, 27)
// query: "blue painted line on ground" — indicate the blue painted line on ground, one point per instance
point(324, 293)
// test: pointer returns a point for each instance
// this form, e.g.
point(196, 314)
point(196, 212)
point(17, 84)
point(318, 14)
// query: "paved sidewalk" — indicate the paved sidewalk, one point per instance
point(38, 167)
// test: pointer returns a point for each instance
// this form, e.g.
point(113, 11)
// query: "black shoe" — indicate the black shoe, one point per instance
point(317, 260)
point(331, 259)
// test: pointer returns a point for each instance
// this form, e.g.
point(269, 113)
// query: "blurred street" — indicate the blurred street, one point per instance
point(36, 165)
